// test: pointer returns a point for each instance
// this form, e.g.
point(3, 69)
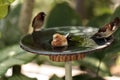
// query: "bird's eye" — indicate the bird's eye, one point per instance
point(112, 24)
point(99, 35)
point(44, 15)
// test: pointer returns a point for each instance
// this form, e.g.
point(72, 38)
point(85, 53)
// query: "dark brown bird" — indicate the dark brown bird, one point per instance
point(107, 30)
point(38, 21)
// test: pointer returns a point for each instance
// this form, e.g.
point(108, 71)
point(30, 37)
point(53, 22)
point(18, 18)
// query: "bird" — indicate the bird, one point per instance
point(59, 40)
point(107, 30)
point(37, 24)
point(38, 21)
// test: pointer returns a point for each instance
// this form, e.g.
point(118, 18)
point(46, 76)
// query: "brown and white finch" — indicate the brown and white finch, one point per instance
point(38, 21)
point(59, 40)
point(107, 30)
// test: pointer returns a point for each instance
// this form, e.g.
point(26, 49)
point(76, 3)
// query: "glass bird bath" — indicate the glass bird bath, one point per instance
point(79, 45)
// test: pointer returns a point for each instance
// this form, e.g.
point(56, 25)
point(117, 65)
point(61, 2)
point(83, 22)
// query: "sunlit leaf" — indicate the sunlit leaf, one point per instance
point(11, 1)
point(3, 10)
point(4, 7)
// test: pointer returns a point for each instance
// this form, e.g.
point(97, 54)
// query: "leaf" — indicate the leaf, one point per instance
point(82, 76)
point(13, 55)
point(4, 7)
point(54, 77)
point(86, 77)
point(99, 21)
point(63, 15)
point(20, 77)
point(11, 1)
point(80, 41)
point(3, 78)
point(3, 10)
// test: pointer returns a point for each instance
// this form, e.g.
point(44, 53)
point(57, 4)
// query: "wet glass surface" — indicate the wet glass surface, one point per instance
point(79, 41)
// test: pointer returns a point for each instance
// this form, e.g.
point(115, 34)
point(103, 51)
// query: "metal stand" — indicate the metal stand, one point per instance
point(68, 71)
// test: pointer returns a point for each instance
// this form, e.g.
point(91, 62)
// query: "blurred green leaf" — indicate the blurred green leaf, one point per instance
point(3, 78)
point(11, 1)
point(3, 10)
point(95, 8)
point(86, 77)
point(20, 77)
point(4, 6)
point(99, 21)
point(82, 76)
point(13, 55)
point(54, 77)
point(63, 15)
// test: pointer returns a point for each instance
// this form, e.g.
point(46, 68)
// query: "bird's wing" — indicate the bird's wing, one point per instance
point(103, 29)
point(33, 22)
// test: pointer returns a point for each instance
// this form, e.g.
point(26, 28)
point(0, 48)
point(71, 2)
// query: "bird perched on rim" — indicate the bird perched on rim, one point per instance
point(38, 21)
point(37, 24)
point(107, 30)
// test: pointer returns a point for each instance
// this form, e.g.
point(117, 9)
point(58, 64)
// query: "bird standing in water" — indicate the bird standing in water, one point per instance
point(38, 21)
point(107, 30)
point(37, 24)
point(59, 40)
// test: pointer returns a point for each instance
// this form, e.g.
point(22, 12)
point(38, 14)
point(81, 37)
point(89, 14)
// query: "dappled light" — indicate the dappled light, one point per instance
point(12, 53)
